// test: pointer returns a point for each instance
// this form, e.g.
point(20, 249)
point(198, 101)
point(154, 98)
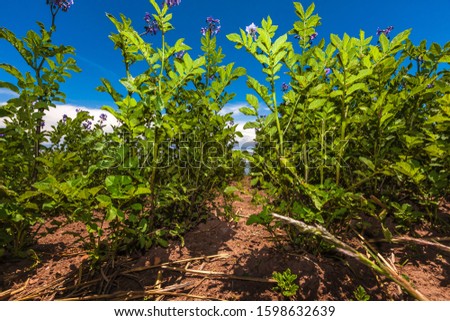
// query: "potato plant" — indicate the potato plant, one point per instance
point(22, 140)
point(360, 129)
point(160, 170)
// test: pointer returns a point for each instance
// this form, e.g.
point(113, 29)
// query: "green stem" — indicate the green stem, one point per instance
point(343, 130)
point(277, 116)
point(322, 152)
point(37, 69)
point(157, 112)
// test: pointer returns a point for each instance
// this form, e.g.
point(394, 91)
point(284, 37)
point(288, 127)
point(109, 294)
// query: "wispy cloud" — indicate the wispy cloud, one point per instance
point(247, 141)
point(232, 108)
point(5, 94)
point(56, 114)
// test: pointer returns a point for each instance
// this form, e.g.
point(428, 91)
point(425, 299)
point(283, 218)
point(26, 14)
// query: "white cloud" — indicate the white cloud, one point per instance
point(5, 93)
point(248, 139)
point(56, 114)
point(232, 108)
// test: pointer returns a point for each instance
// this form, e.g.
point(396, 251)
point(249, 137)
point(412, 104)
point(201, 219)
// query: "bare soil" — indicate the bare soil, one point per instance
point(220, 260)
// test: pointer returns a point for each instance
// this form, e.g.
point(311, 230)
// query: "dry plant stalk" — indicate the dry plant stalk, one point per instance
point(380, 265)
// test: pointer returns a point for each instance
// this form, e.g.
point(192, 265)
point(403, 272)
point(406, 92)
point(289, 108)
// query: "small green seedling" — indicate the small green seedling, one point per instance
point(361, 294)
point(285, 283)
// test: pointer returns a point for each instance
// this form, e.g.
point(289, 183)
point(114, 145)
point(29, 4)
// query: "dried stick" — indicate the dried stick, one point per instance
point(407, 239)
point(220, 275)
point(145, 268)
point(379, 265)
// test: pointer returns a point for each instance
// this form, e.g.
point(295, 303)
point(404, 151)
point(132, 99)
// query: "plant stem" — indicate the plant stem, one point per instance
point(343, 129)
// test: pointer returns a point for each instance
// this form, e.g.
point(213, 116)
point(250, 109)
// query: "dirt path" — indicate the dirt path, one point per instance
point(234, 262)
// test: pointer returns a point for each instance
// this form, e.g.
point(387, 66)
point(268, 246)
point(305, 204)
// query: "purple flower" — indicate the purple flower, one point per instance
point(152, 26)
point(180, 54)
point(172, 3)
point(42, 123)
point(213, 27)
point(87, 124)
point(103, 117)
point(386, 31)
point(252, 30)
point(64, 119)
point(78, 110)
point(429, 86)
point(284, 87)
point(313, 36)
point(63, 4)
point(2, 135)
point(327, 71)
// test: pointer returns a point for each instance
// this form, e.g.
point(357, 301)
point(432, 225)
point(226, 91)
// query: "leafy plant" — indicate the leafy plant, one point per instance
point(173, 149)
point(22, 139)
point(353, 126)
point(361, 294)
point(286, 283)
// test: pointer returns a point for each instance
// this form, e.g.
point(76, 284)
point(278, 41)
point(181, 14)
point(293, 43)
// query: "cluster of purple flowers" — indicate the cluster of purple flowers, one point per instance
point(172, 3)
point(284, 87)
point(327, 71)
point(152, 26)
point(311, 37)
point(64, 119)
point(103, 117)
point(42, 124)
point(87, 124)
point(252, 30)
point(180, 54)
point(213, 27)
point(386, 31)
point(63, 4)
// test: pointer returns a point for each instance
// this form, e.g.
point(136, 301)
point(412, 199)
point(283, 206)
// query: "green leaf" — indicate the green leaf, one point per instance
point(335, 40)
point(17, 44)
point(401, 37)
point(355, 87)
point(368, 163)
point(336, 93)
point(248, 111)
point(278, 45)
point(162, 242)
point(104, 200)
point(384, 41)
point(234, 37)
point(361, 75)
point(13, 71)
point(13, 88)
point(253, 101)
point(143, 191)
point(263, 218)
point(317, 103)
point(250, 125)
point(230, 190)
point(310, 10)
point(115, 213)
point(300, 11)
point(4, 112)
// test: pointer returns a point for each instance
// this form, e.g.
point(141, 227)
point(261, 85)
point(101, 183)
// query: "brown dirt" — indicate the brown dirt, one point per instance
point(246, 267)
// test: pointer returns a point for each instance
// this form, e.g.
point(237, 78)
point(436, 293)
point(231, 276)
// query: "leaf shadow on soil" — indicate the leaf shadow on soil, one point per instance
point(319, 277)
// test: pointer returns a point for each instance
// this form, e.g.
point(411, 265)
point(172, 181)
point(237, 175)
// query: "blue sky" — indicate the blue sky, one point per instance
point(86, 28)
